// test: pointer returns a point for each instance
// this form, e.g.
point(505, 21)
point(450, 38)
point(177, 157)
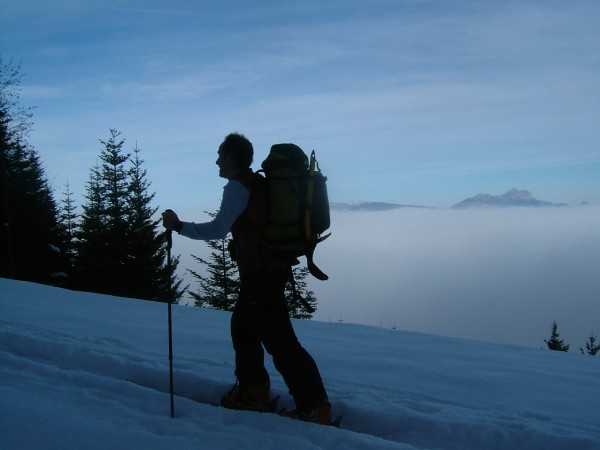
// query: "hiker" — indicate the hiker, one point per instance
point(260, 316)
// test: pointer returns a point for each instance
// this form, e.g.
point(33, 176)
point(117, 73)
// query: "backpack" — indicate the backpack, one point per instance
point(298, 204)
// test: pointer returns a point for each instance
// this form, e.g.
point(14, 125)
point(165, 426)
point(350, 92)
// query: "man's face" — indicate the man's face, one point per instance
point(227, 166)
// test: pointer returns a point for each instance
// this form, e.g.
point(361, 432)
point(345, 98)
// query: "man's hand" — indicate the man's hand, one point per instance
point(170, 220)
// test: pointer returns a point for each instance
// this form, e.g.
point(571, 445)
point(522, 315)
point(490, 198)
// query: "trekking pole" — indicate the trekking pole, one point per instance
point(170, 295)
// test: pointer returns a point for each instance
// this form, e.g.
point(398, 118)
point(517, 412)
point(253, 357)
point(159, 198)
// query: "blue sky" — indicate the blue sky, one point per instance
point(412, 102)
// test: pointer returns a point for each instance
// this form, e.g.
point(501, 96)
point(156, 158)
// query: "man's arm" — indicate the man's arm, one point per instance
point(235, 199)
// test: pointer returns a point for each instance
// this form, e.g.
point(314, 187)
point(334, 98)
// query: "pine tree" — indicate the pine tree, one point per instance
point(119, 251)
point(295, 307)
point(219, 289)
point(114, 177)
point(146, 268)
point(591, 347)
point(29, 244)
point(145, 250)
point(555, 342)
point(68, 228)
point(91, 249)
point(102, 254)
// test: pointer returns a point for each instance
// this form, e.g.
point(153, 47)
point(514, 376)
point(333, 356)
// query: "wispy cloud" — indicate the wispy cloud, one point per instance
point(426, 92)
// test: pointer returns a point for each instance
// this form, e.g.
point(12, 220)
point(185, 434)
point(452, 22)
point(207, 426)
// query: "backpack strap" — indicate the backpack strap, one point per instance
point(248, 178)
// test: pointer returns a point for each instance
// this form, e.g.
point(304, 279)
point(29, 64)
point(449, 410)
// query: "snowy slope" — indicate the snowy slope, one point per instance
point(66, 358)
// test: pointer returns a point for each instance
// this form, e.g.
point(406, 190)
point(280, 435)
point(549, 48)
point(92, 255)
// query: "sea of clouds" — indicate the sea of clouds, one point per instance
point(498, 275)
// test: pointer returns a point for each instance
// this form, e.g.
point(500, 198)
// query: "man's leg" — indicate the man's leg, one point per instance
point(249, 353)
point(298, 368)
point(252, 388)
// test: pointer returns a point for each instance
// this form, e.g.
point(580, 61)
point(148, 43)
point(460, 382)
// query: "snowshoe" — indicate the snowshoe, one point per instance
point(251, 398)
point(320, 415)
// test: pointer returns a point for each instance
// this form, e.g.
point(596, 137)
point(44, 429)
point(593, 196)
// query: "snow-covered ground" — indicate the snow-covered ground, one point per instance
point(66, 358)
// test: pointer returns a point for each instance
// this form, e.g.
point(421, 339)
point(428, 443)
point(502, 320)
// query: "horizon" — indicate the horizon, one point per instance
point(341, 204)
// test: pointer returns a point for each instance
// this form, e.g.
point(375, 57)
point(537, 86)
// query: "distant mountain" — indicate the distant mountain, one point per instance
point(367, 206)
point(514, 197)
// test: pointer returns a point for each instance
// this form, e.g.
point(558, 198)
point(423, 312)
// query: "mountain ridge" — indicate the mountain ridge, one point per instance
point(512, 197)
point(367, 206)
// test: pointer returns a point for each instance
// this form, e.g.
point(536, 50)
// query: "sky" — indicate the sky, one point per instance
point(82, 371)
point(410, 102)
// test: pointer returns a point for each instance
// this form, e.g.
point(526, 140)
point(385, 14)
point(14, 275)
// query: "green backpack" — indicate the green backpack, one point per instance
point(298, 204)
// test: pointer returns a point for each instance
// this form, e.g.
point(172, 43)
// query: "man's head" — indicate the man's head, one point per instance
point(235, 154)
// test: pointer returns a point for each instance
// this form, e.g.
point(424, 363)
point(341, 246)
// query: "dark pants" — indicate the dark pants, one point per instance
point(260, 318)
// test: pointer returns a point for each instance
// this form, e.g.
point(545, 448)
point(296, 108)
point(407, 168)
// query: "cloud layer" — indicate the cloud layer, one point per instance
point(494, 275)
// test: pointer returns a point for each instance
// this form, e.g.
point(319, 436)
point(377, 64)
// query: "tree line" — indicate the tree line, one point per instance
point(113, 245)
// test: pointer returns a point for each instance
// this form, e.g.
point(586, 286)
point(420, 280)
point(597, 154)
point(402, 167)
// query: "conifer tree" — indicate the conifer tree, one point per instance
point(555, 342)
point(146, 269)
point(295, 307)
point(145, 250)
point(120, 252)
point(114, 177)
point(92, 259)
point(29, 242)
point(102, 256)
point(219, 289)
point(591, 347)
point(68, 227)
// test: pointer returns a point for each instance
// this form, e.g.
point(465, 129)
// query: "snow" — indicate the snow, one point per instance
point(66, 358)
